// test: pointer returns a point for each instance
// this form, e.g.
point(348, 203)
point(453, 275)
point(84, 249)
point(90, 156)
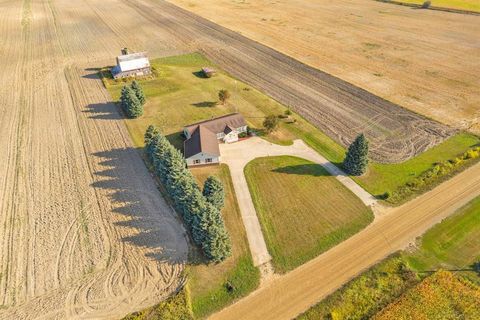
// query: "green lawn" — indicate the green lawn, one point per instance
point(207, 283)
point(388, 177)
point(471, 5)
point(453, 244)
point(302, 209)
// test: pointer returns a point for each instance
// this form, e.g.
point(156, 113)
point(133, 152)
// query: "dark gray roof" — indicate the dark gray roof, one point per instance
point(202, 140)
point(217, 125)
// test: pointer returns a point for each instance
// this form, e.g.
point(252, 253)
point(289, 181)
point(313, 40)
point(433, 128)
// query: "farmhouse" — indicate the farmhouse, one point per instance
point(131, 65)
point(201, 146)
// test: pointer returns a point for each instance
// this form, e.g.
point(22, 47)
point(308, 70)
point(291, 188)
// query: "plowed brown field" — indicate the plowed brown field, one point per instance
point(426, 61)
point(340, 109)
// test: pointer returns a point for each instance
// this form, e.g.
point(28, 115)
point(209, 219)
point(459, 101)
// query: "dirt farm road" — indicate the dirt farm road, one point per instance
point(287, 296)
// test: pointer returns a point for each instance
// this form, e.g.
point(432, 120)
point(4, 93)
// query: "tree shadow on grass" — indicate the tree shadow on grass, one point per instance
point(146, 220)
point(205, 104)
point(311, 169)
point(105, 111)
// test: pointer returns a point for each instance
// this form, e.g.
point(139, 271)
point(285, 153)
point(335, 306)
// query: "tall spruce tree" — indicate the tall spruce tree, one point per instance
point(137, 88)
point(130, 104)
point(214, 192)
point(149, 134)
point(356, 161)
point(216, 245)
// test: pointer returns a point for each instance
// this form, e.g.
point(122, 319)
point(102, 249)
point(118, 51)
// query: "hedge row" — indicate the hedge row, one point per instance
point(434, 174)
point(203, 219)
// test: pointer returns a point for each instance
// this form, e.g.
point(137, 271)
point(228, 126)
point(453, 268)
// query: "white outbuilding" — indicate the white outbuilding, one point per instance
point(131, 65)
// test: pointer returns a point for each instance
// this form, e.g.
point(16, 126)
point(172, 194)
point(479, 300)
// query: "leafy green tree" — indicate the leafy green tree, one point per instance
point(270, 123)
point(137, 88)
point(214, 192)
point(223, 95)
point(130, 104)
point(356, 161)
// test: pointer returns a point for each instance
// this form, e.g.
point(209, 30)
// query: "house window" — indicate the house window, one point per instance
point(208, 160)
point(197, 161)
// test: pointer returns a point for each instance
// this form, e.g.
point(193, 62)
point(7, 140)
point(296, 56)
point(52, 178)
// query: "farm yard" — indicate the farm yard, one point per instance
point(303, 210)
point(192, 98)
point(415, 58)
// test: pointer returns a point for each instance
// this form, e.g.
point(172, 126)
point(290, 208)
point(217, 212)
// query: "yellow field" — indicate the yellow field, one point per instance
point(440, 296)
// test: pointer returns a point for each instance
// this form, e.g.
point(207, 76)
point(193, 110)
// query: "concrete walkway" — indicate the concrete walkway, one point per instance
point(237, 155)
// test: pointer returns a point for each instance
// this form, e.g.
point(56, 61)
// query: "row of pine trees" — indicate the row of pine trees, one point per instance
point(200, 211)
point(132, 100)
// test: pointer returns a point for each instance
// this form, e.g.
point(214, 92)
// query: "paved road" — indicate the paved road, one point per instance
point(237, 155)
point(291, 294)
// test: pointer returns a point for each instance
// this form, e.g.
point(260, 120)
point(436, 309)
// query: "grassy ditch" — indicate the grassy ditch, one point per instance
point(452, 245)
point(303, 210)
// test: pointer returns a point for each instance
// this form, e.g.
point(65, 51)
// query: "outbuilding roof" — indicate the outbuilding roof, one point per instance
point(133, 61)
point(218, 125)
point(201, 140)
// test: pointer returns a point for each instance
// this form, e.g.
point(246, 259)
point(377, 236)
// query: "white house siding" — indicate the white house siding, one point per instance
point(201, 159)
point(231, 137)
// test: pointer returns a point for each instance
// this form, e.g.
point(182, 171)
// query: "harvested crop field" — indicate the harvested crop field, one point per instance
point(84, 231)
point(336, 107)
point(426, 61)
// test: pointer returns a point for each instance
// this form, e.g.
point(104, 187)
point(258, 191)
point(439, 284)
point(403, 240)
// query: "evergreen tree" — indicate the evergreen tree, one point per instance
point(214, 192)
point(356, 161)
point(216, 245)
point(138, 92)
point(130, 104)
point(149, 134)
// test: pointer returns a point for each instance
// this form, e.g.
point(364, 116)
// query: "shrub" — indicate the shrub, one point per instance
point(426, 4)
point(270, 123)
point(223, 96)
point(356, 161)
point(288, 112)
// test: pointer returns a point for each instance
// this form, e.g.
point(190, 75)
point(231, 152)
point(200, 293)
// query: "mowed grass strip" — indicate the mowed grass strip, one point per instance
point(453, 244)
point(302, 209)
point(381, 178)
point(207, 284)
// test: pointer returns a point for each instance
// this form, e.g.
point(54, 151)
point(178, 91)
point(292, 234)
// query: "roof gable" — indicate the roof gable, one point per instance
point(201, 140)
point(218, 125)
